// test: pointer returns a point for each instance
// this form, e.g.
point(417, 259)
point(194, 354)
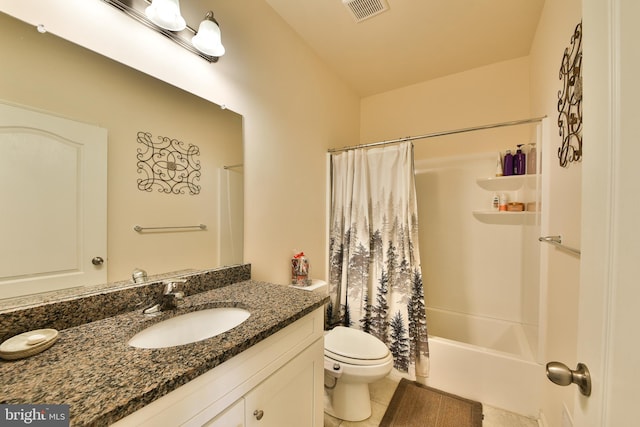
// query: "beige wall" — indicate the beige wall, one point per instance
point(486, 95)
point(53, 75)
point(553, 36)
point(293, 107)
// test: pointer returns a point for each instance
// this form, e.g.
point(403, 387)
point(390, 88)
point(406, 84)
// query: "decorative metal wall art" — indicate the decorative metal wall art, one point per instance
point(168, 165)
point(570, 101)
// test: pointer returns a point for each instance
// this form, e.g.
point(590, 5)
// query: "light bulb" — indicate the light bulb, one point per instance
point(166, 14)
point(208, 39)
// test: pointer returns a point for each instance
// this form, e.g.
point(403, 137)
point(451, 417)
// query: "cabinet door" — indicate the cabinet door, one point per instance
point(233, 416)
point(292, 396)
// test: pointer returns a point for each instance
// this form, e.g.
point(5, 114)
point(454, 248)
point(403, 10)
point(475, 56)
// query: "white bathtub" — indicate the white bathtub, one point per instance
point(493, 334)
point(484, 359)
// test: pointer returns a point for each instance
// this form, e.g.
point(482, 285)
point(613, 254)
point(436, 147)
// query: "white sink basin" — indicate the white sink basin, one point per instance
point(189, 327)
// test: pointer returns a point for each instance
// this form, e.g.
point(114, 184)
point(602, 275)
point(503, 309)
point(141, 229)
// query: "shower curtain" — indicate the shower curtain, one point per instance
point(375, 281)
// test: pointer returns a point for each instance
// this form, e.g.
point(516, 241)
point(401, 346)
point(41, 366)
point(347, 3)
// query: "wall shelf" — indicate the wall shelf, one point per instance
point(507, 183)
point(498, 213)
point(518, 188)
point(508, 218)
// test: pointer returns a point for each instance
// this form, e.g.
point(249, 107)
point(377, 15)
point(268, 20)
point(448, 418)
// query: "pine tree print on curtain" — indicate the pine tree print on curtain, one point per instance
point(375, 281)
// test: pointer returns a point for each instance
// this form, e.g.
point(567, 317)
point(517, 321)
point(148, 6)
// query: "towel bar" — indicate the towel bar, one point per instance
point(139, 228)
point(557, 241)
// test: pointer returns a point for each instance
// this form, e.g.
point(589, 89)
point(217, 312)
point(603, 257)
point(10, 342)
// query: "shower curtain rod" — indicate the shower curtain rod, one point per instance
point(443, 133)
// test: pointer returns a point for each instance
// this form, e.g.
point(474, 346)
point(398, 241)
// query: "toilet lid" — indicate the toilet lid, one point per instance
point(354, 344)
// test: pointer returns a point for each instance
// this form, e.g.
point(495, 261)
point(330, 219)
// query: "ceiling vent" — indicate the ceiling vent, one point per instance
point(365, 9)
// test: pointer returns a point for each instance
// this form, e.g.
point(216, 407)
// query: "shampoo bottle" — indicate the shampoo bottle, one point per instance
point(507, 169)
point(499, 166)
point(531, 159)
point(519, 162)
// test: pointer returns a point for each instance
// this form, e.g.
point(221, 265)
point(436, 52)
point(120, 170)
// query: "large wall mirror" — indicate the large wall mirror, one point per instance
point(55, 77)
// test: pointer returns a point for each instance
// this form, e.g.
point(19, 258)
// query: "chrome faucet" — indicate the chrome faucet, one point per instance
point(139, 276)
point(170, 299)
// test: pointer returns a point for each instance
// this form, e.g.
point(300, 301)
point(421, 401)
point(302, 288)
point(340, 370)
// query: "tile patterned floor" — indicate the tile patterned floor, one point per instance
point(382, 391)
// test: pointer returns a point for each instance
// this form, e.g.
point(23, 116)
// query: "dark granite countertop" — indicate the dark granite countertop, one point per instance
point(93, 369)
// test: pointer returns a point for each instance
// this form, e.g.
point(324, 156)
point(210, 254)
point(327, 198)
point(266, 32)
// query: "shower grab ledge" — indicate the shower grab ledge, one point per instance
point(557, 241)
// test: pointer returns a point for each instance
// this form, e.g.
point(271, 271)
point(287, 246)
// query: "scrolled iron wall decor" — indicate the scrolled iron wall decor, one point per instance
point(570, 101)
point(168, 164)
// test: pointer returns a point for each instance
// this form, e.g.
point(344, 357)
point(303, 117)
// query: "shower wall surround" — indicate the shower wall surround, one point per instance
point(476, 261)
point(482, 285)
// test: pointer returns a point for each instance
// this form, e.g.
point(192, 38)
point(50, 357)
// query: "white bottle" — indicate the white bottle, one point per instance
point(502, 206)
point(531, 159)
point(495, 203)
point(499, 171)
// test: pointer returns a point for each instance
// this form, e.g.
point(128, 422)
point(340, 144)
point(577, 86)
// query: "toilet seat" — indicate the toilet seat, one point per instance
point(353, 346)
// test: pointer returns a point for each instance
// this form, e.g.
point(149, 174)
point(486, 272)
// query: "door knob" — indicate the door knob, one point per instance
point(258, 413)
point(560, 374)
point(97, 261)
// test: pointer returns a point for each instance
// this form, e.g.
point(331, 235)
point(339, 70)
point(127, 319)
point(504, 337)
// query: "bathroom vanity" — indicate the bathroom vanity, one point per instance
point(275, 383)
point(267, 371)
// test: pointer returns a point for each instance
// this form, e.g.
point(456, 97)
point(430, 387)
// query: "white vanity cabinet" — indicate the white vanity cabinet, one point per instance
point(277, 382)
point(286, 398)
point(233, 416)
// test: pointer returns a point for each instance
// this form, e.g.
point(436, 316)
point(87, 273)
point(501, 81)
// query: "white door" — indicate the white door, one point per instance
point(610, 287)
point(53, 202)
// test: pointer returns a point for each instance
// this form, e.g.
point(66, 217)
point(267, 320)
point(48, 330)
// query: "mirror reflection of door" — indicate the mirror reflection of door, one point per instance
point(53, 202)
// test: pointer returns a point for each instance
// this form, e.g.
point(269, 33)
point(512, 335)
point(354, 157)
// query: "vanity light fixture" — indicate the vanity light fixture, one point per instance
point(164, 17)
point(166, 14)
point(208, 40)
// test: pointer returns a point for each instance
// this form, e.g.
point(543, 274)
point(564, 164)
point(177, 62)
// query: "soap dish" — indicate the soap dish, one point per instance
point(28, 343)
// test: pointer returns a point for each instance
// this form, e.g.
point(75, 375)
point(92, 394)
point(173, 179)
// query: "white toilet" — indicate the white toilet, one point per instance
point(352, 360)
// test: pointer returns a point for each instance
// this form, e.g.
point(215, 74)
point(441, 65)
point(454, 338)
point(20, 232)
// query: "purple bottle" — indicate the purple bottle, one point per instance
point(508, 164)
point(519, 162)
